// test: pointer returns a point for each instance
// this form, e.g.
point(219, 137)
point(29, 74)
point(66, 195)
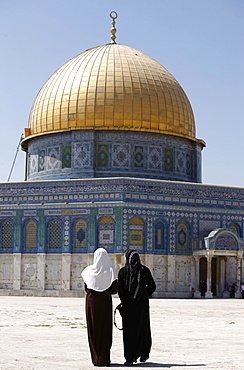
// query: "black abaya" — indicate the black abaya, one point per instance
point(136, 320)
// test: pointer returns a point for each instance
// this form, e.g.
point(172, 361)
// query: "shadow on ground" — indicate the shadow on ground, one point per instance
point(156, 364)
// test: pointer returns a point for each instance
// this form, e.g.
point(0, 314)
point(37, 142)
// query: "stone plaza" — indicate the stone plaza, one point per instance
point(49, 333)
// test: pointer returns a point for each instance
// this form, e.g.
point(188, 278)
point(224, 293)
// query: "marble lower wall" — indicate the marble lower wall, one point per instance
point(53, 275)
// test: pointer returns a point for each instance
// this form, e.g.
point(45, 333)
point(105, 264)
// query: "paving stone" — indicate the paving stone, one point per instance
point(49, 333)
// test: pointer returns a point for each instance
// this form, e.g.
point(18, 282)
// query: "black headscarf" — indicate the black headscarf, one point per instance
point(133, 274)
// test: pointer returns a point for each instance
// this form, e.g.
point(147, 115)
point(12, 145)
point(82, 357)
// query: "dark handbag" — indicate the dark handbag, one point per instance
point(120, 309)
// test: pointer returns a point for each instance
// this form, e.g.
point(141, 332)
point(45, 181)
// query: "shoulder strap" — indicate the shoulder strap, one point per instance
point(118, 308)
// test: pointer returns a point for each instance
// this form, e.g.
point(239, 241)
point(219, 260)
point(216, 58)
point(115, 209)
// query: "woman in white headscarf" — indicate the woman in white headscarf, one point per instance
point(100, 280)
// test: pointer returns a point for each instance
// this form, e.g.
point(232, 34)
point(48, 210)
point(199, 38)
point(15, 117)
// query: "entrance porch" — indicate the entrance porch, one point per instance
point(218, 264)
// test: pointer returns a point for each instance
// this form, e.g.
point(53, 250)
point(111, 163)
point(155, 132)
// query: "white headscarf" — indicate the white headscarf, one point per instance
point(101, 274)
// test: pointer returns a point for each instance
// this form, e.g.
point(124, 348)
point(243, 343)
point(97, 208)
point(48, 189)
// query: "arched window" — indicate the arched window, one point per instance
point(54, 236)
point(79, 235)
point(30, 237)
point(6, 236)
point(160, 236)
point(105, 237)
point(136, 234)
point(183, 236)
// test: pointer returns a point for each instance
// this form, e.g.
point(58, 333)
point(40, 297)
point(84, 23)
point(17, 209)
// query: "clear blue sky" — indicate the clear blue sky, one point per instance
point(201, 42)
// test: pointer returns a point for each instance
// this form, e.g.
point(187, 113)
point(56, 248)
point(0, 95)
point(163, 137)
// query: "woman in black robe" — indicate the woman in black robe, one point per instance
point(136, 284)
point(100, 283)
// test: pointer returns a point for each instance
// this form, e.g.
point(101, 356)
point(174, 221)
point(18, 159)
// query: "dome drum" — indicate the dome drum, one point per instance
point(84, 154)
point(112, 111)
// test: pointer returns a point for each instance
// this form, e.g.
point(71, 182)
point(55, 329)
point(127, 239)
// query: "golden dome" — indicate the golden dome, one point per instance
point(112, 87)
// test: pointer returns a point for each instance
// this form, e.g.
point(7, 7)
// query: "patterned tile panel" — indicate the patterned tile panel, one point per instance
point(71, 155)
point(82, 155)
point(41, 160)
point(66, 156)
point(53, 158)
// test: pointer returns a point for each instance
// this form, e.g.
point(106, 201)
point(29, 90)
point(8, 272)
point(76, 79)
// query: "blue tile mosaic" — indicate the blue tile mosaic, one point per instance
point(113, 154)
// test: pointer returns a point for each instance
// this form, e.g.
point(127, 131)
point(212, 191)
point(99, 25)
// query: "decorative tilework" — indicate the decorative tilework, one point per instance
point(106, 233)
point(224, 222)
point(172, 200)
point(66, 233)
point(32, 164)
point(19, 215)
point(125, 230)
point(208, 225)
point(117, 154)
point(155, 158)
point(138, 156)
point(172, 235)
point(160, 242)
point(118, 218)
point(79, 234)
point(136, 233)
point(132, 237)
point(105, 211)
point(169, 159)
point(40, 216)
point(92, 228)
point(202, 207)
point(195, 224)
point(53, 158)
point(121, 156)
point(82, 155)
point(196, 166)
point(236, 228)
point(188, 165)
point(66, 156)
point(149, 233)
point(180, 161)
point(182, 236)
point(7, 213)
point(226, 242)
point(41, 160)
point(102, 153)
